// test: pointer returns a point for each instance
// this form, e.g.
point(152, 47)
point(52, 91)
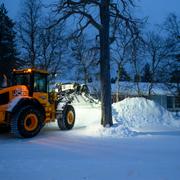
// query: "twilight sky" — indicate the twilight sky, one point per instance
point(156, 10)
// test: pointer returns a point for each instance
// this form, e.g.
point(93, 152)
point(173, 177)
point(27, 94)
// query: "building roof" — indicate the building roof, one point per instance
point(131, 88)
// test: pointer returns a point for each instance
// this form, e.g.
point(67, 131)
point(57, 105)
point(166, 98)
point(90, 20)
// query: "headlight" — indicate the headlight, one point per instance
point(56, 90)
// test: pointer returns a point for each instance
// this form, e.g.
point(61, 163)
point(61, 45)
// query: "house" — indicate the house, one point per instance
point(165, 95)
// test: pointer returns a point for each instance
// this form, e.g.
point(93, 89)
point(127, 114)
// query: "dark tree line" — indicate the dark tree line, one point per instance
point(8, 52)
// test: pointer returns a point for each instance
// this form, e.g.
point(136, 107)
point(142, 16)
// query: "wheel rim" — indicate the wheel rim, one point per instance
point(31, 122)
point(70, 117)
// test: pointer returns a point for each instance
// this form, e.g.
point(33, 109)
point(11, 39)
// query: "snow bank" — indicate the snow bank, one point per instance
point(140, 112)
point(130, 116)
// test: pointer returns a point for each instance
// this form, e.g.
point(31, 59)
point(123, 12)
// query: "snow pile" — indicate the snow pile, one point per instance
point(130, 116)
point(140, 112)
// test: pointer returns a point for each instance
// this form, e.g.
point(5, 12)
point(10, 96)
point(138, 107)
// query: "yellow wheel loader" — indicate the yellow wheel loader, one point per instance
point(26, 106)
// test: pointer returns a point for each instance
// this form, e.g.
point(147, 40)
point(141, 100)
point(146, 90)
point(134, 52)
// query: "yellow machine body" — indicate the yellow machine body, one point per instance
point(10, 96)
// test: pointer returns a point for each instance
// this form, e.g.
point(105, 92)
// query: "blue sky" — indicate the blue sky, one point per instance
point(156, 10)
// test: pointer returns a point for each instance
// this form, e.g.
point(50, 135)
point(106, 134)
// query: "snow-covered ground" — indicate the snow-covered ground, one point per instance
point(144, 143)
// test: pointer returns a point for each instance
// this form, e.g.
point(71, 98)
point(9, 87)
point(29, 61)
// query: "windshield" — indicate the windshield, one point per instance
point(22, 79)
point(40, 83)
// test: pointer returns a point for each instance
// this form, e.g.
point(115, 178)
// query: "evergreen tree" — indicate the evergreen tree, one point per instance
point(7, 43)
point(147, 76)
point(123, 75)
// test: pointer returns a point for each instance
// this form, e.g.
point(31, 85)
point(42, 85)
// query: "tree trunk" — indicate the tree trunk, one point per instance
point(106, 118)
point(117, 85)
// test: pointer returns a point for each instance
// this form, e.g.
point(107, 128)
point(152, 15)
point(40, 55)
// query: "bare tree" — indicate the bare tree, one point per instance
point(121, 53)
point(28, 30)
point(97, 13)
point(171, 27)
point(137, 56)
point(156, 53)
point(85, 57)
point(41, 47)
point(52, 47)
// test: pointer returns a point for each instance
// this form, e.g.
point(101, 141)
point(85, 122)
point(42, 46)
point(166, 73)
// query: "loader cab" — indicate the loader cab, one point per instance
point(35, 80)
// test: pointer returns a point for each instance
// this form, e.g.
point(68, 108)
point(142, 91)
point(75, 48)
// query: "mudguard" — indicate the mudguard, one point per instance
point(19, 102)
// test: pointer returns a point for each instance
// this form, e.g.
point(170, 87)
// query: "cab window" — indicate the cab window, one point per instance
point(21, 79)
point(40, 83)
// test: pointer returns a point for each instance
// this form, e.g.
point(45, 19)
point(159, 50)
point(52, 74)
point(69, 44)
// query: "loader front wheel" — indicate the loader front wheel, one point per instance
point(27, 123)
point(66, 118)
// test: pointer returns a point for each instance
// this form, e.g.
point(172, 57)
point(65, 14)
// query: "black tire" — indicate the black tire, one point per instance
point(66, 118)
point(27, 122)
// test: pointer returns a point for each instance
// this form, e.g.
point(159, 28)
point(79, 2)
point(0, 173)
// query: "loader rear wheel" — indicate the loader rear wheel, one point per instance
point(27, 123)
point(66, 118)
